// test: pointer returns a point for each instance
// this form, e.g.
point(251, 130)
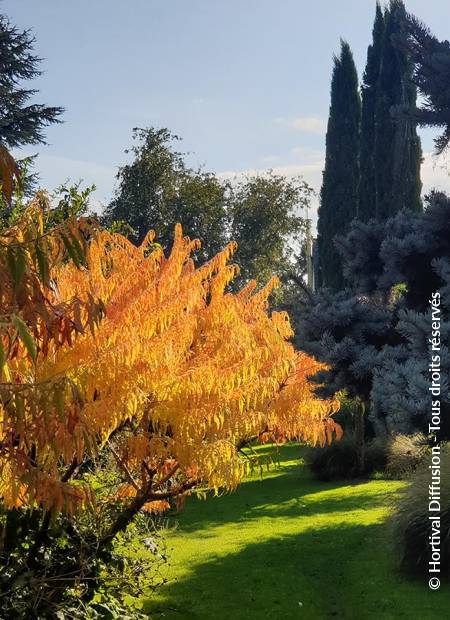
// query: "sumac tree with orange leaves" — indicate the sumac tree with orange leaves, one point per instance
point(126, 370)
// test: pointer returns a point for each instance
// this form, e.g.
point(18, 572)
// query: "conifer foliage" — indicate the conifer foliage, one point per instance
point(21, 122)
point(369, 90)
point(339, 194)
point(431, 59)
point(373, 152)
point(375, 337)
point(397, 151)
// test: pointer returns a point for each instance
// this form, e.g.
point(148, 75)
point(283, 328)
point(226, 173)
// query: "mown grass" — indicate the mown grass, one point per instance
point(287, 546)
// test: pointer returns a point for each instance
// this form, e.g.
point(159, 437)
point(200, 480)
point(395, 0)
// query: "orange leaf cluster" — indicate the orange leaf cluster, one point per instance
point(9, 171)
point(172, 374)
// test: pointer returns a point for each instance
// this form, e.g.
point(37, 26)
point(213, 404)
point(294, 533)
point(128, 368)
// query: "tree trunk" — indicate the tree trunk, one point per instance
point(359, 438)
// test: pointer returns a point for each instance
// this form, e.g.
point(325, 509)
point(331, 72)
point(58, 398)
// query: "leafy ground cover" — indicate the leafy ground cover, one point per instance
point(287, 546)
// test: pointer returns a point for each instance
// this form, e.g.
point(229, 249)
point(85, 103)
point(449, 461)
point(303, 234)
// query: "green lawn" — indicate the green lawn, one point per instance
point(287, 547)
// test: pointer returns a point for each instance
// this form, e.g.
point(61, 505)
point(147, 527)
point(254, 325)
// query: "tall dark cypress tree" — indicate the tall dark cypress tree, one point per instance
point(397, 150)
point(339, 194)
point(367, 188)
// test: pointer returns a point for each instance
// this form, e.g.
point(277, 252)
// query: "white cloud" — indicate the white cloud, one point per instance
point(306, 124)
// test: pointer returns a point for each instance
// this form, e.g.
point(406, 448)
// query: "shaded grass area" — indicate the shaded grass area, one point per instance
point(287, 546)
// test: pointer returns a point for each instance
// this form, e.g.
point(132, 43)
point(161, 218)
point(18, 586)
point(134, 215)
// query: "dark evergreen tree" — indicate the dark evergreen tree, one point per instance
point(347, 332)
point(367, 188)
point(431, 76)
point(21, 122)
point(397, 150)
point(339, 194)
point(374, 337)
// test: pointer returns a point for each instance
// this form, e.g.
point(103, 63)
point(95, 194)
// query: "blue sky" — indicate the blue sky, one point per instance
point(244, 82)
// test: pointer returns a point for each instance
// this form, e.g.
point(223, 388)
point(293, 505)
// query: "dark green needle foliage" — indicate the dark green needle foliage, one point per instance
point(431, 75)
point(339, 194)
point(397, 150)
point(369, 91)
point(22, 121)
point(375, 335)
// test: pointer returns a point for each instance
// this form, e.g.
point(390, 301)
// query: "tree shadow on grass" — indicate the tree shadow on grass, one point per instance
point(249, 505)
point(346, 572)
point(290, 493)
point(332, 567)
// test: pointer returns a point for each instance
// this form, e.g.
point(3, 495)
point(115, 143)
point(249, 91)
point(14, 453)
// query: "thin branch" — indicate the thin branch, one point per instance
point(123, 465)
point(173, 493)
point(167, 477)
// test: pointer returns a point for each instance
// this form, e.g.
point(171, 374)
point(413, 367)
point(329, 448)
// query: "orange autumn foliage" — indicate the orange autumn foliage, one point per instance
point(108, 347)
point(9, 173)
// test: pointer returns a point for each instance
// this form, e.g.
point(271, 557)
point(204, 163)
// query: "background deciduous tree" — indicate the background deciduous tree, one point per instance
point(157, 189)
point(264, 214)
point(267, 221)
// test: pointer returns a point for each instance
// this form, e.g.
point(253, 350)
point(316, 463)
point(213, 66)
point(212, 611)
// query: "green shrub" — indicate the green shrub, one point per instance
point(395, 457)
point(334, 462)
point(376, 455)
point(106, 585)
point(411, 523)
point(338, 461)
point(404, 454)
